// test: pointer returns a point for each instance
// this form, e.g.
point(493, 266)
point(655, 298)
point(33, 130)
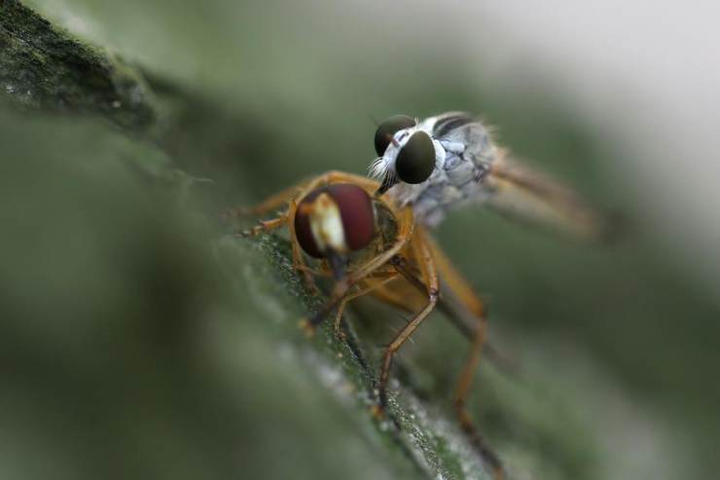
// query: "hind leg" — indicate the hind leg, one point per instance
point(456, 286)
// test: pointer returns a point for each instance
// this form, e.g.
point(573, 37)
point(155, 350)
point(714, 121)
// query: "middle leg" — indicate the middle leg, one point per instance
point(427, 267)
point(372, 284)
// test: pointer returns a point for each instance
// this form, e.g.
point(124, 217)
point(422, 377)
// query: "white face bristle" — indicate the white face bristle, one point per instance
point(378, 169)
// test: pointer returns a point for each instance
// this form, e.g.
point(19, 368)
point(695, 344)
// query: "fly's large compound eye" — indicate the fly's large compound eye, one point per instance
point(416, 159)
point(388, 128)
point(303, 230)
point(357, 213)
point(342, 220)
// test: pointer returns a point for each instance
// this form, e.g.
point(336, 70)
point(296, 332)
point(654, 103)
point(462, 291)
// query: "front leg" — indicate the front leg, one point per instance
point(263, 226)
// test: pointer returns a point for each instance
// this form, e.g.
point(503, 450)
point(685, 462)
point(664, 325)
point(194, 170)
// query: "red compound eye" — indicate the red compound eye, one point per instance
point(356, 210)
point(303, 232)
point(356, 217)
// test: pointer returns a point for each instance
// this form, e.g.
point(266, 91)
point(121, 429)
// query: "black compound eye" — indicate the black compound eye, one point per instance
point(416, 160)
point(388, 128)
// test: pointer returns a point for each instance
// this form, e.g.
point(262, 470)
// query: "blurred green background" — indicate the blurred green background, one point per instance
point(138, 342)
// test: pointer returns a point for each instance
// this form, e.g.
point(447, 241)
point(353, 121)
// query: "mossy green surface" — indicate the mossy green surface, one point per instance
point(41, 66)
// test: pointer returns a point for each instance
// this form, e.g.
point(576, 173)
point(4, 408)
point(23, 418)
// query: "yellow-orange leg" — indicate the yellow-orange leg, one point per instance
point(460, 289)
point(455, 280)
point(430, 277)
point(460, 398)
point(264, 226)
point(456, 291)
point(359, 293)
point(409, 292)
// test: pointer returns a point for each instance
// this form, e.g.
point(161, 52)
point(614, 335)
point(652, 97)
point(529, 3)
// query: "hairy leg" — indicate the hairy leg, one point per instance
point(371, 284)
point(423, 257)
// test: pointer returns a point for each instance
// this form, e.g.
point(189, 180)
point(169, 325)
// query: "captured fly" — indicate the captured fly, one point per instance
point(451, 159)
point(371, 246)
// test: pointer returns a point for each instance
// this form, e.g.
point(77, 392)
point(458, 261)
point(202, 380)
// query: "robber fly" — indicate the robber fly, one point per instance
point(371, 245)
point(441, 162)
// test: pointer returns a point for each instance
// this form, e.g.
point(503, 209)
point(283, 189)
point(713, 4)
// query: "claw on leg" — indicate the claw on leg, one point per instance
point(478, 441)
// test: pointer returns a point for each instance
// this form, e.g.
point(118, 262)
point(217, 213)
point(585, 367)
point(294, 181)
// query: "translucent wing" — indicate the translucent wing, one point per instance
point(517, 191)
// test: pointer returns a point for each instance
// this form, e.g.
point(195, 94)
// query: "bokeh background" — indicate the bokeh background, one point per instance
point(134, 341)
